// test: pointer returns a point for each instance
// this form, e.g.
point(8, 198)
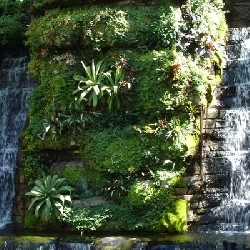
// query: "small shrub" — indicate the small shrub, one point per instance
point(145, 194)
point(50, 198)
point(73, 174)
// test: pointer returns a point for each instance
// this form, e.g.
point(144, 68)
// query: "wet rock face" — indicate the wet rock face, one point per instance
point(226, 136)
point(239, 13)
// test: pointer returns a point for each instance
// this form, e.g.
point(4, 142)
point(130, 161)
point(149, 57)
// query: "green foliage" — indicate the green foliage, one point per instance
point(34, 166)
point(85, 219)
point(30, 221)
point(135, 153)
point(115, 217)
point(101, 85)
point(92, 86)
point(153, 81)
point(145, 193)
point(73, 174)
point(12, 22)
point(205, 24)
point(175, 219)
point(49, 197)
point(53, 109)
point(100, 28)
point(163, 212)
point(167, 29)
point(113, 150)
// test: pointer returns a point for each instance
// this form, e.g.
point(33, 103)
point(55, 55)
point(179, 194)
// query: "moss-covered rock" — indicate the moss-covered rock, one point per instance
point(175, 219)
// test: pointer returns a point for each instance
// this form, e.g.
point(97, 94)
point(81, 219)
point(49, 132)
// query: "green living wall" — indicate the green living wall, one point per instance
point(126, 85)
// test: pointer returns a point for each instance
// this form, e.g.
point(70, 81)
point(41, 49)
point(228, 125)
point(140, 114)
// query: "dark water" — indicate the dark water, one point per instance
point(188, 241)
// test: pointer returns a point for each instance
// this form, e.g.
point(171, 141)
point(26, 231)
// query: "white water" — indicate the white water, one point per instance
point(15, 87)
point(235, 210)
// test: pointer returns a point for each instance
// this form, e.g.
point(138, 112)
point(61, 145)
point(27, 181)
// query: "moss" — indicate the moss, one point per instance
point(113, 150)
point(192, 142)
point(175, 219)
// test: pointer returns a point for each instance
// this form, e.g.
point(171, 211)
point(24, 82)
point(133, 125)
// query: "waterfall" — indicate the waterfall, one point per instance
point(15, 87)
point(235, 209)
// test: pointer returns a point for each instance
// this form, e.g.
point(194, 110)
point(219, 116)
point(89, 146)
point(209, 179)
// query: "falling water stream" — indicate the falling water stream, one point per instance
point(235, 210)
point(15, 87)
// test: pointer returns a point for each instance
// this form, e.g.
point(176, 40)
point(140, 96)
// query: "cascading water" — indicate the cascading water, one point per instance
point(15, 87)
point(235, 210)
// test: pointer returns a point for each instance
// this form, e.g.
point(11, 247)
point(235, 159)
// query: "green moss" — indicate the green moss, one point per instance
point(175, 219)
point(153, 80)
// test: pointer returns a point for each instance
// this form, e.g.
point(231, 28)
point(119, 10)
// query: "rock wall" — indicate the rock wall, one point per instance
point(239, 12)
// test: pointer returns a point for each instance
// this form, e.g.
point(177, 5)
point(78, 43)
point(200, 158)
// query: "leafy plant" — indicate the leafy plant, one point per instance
point(92, 86)
point(115, 82)
point(34, 166)
point(50, 197)
point(146, 194)
point(101, 85)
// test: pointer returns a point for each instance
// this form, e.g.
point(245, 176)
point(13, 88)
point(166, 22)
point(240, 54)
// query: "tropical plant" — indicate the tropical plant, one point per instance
point(115, 80)
point(74, 118)
point(101, 85)
point(50, 197)
point(92, 85)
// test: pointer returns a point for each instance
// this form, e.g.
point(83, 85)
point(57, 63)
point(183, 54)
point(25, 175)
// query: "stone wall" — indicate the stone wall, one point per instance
point(239, 12)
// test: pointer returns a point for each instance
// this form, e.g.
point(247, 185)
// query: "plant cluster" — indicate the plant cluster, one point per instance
point(12, 22)
point(135, 144)
point(50, 197)
point(124, 217)
point(98, 28)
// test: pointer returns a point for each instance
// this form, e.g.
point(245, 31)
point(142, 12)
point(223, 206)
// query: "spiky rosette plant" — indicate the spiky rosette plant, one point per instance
point(51, 197)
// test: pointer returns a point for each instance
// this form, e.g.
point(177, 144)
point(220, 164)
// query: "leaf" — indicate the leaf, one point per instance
point(79, 78)
point(96, 89)
point(33, 201)
point(38, 208)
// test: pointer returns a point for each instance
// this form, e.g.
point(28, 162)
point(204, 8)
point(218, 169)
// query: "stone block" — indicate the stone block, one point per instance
point(23, 189)
point(90, 202)
point(181, 191)
point(210, 123)
point(218, 165)
point(216, 190)
point(21, 178)
point(194, 190)
point(19, 219)
point(211, 113)
point(191, 181)
point(212, 200)
point(217, 181)
point(194, 205)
